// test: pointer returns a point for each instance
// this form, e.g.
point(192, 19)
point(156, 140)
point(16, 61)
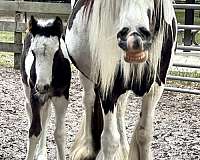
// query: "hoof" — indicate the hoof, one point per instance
point(83, 151)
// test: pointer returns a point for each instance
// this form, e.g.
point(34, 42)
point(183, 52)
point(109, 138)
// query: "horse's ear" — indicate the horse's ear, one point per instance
point(58, 26)
point(32, 25)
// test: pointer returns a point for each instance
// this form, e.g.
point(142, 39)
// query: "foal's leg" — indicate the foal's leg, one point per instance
point(83, 145)
point(33, 139)
point(60, 104)
point(141, 141)
point(30, 148)
point(45, 113)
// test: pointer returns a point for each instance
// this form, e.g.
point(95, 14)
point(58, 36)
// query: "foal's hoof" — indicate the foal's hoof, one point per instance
point(41, 154)
point(42, 157)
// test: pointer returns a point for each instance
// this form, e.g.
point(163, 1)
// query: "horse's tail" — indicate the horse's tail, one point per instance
point(97, 122)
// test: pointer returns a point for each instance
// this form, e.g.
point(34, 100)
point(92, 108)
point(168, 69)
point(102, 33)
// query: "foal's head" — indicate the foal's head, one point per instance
point(45, 44)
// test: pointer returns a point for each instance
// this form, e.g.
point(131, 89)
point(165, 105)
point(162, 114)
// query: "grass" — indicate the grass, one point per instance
point(184, 73)
point(181, 20)
point(6, 58)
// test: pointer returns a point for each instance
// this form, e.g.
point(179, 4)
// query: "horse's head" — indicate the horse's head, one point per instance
point(45, 44)
point(137, 29)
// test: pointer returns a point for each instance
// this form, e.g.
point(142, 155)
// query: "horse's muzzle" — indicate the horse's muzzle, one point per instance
point(134, 45)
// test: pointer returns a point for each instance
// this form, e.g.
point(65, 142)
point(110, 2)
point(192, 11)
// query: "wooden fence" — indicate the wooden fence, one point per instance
point(19, 11)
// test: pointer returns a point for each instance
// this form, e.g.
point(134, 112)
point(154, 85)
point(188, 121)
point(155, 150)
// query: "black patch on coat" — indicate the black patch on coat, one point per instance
point(110, 100)
point(147, 79)
point(168, 40)
point(174, 28)
point(26, 46)
point(139, 89)
point(61, 75)
point(157, 17)
point(35, 128)
point(97, 122)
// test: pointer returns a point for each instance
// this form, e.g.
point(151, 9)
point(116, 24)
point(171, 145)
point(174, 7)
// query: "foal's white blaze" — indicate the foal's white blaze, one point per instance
point(44, 49)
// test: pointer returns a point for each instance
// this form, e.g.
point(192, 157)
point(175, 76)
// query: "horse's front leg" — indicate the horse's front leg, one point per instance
point(140, 148)
point(83, 147)
point(60, 104)
point(110, 138)
point(121, 108)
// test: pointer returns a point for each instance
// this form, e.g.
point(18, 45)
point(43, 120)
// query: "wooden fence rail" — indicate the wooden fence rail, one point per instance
point(35, 7)
point(16, 9)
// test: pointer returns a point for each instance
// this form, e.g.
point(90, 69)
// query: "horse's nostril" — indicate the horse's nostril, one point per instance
point(123, 33)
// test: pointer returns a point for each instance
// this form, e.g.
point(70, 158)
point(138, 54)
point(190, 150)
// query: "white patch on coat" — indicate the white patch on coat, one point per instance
point(28, 64)
point(44, 23)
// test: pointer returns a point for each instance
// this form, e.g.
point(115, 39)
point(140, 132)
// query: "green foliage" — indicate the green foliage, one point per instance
point(6, 59)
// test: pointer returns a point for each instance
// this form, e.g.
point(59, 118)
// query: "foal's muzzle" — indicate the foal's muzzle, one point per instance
point(134, 44)
point(42, 89)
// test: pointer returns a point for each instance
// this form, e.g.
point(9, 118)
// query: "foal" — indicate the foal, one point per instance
point(46, 76)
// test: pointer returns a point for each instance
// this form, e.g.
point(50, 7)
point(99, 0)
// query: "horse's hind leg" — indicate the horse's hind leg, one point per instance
point(85, 142)
point(60, 105)
point(141, 141)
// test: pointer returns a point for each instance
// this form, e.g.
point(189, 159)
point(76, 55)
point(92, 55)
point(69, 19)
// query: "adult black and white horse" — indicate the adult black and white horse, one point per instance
point(119, 45)
point(46, 76)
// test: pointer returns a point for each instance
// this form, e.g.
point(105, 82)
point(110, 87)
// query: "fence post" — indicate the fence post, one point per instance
point(17, 38)
point(189, 19)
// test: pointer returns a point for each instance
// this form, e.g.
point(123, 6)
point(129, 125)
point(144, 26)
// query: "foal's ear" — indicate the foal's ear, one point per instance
point(58, 26)
point(32, 25)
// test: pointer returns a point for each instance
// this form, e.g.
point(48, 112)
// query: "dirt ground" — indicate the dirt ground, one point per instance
point(177, 122)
